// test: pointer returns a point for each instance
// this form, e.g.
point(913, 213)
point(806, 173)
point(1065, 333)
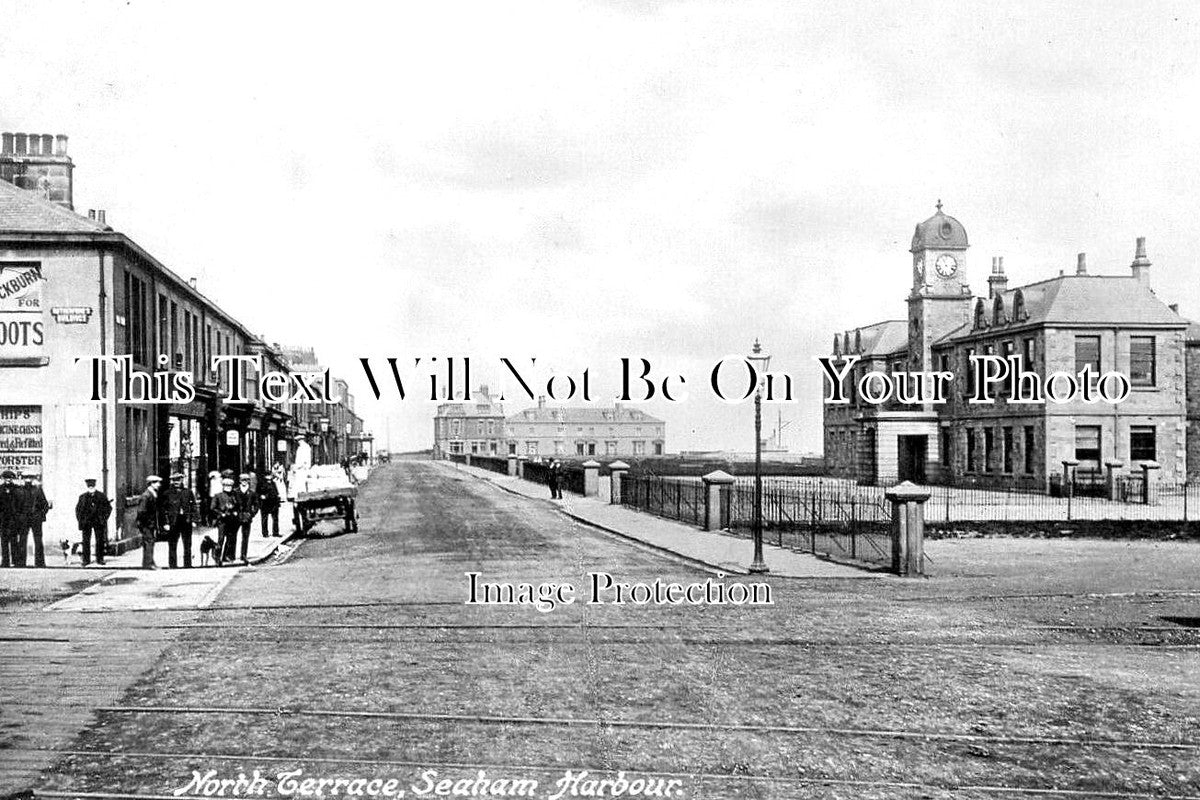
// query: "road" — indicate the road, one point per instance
point(357, 658)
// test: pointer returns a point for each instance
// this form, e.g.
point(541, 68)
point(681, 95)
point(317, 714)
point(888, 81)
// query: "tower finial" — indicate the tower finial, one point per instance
point(939, 205)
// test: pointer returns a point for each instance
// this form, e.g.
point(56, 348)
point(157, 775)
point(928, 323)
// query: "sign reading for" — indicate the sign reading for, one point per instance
point(21, 325)
point(21, 439)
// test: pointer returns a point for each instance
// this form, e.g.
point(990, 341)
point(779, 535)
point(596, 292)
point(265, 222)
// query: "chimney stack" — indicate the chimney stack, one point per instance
point(997, 281)
point(91, 213)
point(100, 216)
point(1141, 265)
point(1081, 264)
point(38, 162)
point(541, 401)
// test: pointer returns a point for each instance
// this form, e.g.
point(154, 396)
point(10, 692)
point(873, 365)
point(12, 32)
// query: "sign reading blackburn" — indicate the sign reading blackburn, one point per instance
point(21, 324)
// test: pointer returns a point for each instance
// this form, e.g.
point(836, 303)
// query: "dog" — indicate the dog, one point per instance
point(208, 549)
point(67, 550)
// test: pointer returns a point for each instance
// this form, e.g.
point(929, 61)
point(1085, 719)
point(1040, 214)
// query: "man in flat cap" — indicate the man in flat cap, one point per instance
point(91, 512)
point(32, 507)
point(224, 507)
point(179, 514)
point(248, 507)
point(148, 519)
point(8, 519)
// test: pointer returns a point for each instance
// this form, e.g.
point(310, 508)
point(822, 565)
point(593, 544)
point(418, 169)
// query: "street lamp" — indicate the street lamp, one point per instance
point(761, 363)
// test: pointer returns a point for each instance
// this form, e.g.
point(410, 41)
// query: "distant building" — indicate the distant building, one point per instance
point(475, 427)
point(1111, 322)
point(585, 431)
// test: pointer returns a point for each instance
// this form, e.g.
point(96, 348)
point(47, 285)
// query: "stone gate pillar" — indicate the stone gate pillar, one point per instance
point(617, 470)
point(908, 528)
point(717, 486)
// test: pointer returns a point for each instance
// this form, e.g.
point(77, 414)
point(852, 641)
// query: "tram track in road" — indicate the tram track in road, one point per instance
point(525, 769)
point(650, 725)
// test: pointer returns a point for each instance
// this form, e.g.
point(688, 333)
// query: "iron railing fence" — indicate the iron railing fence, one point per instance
point(674, 498)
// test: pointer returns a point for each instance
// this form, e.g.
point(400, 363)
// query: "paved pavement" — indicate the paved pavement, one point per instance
point(717, 551)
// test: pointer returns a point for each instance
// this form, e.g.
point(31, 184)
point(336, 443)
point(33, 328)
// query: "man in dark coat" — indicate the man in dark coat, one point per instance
point(179, 514)
point(554, 478)
point(225, 508)
point(32, 507)
point(8, 519)
point(91, 512)
point(268, 500)
point(148, 522)
point(248, 508)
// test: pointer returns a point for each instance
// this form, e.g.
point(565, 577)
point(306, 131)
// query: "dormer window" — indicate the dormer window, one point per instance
point(858, 341)
point(998, 311)
point(1018, 311)
point(837, 345)
point(980, 319)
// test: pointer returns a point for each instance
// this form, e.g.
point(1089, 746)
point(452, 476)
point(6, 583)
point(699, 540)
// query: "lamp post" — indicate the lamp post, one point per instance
point(761, 363)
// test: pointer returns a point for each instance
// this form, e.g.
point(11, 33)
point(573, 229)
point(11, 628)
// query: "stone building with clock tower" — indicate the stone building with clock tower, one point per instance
point(1112, 322)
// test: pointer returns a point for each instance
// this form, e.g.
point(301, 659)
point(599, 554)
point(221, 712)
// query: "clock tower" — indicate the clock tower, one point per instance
point(940, 300)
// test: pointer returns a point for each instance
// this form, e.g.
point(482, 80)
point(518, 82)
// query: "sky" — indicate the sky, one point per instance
point(578, 182)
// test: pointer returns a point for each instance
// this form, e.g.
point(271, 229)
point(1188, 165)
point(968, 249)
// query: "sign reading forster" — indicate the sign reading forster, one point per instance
point(21, 439)
point(21, 325)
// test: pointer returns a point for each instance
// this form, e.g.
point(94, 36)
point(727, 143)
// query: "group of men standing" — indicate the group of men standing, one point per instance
point(23, 509)
point(172, 514)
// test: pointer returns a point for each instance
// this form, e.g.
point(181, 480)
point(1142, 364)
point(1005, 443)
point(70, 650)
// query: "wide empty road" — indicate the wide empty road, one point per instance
point(358, 661)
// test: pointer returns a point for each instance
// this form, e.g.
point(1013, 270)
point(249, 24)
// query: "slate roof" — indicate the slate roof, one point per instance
point(880, 339)
point(27, 211)
point(1077, 300)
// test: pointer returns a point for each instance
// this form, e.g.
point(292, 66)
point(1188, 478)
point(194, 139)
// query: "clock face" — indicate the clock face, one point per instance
point(946, 266)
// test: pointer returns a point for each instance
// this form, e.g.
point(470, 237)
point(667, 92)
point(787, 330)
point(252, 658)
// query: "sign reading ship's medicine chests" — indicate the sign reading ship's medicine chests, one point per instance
point(21, 324)
point(21, 439)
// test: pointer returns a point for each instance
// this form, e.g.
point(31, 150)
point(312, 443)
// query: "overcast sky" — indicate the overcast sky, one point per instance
point(581, 181)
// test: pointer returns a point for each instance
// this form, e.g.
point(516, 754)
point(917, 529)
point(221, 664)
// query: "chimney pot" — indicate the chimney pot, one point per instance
point(192, 283)
point(60, 145)
point(1141, 264)
point(1081, 264)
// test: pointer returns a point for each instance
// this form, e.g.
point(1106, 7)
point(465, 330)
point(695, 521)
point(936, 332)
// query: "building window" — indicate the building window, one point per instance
point(135, 317)
point(969, 367)
point(560, 448)
point(989, 448)
point(512, 448)
point(591, 448)
point(491, 427)
point(456, 447)
point(639, 448)
point(970, 450)
point(1008, 450)
point(456, 428)
point(579, 448)
point(164, 335)
point(1142, 361)
point(1087, 446)
point(1027, 354)
point(475, 448)
point(610, 448)
point(531, 448)
point(1142, 444)
point(658, 448)
point(1008, 349)
point(1087, 353)
point(944, 446)
point(1029, 450)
